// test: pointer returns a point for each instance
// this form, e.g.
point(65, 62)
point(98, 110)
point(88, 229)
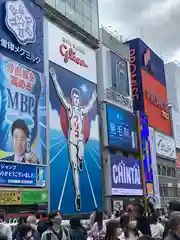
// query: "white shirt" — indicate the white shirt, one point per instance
point(157, 230)
point(6, 230)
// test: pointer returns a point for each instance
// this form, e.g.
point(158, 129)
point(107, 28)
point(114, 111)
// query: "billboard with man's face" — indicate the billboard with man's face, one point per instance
point(22, 124)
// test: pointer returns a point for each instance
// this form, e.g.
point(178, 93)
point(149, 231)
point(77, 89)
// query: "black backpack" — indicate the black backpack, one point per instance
point(59, 234)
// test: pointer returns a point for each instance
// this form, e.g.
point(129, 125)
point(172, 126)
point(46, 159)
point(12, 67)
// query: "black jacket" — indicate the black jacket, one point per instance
point(143, 225)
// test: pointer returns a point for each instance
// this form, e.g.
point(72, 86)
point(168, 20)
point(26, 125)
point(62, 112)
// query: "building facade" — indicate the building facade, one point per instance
point(23, 159)
point(150, 97)
point(118, 124)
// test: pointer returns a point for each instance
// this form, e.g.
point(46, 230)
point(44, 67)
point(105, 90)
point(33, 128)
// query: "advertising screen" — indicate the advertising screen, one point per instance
point(21, 32)
point(146, 153)
point(22, 122)
point(125, 176)
point(122, 129)
point(74, 140)
point(155, 103)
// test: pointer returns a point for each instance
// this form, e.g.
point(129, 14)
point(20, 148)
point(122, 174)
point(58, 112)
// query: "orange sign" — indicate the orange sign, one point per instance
point(178, 160)
point(155, 103)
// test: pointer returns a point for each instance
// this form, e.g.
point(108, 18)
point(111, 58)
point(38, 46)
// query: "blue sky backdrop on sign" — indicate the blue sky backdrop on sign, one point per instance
point(16, 42)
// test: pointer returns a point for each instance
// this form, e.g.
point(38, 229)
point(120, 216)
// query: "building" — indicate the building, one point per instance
point(172, 71)
point(78, 17)
point(150, 97)
point(118, 124)
point(23, 161)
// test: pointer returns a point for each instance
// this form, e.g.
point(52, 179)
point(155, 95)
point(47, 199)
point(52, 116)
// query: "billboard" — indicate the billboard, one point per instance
point(145, 152)
point(154, 167)
point(165, 146)
point(21, 32)
point(148, 60)
point(178, 160)
point(120, 77)
point(176, 126)
point(156, 103)
point(122, 129)
point(125, 176)
point(23, 119)
point(74, 141)
point(71, 54)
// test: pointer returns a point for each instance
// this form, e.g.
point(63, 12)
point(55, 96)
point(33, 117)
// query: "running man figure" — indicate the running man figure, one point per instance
point(75, 113)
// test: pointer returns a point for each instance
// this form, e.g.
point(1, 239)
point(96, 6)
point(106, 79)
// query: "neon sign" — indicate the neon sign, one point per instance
point(135, 90)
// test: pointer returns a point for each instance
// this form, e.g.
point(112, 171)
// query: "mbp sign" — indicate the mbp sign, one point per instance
point(69, 53)
point(165, 146)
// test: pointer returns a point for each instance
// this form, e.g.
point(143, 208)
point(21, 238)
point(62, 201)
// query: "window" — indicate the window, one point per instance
point(169, 174)
point(86, 10)
point(71, 2)
point(119, 71)
point(79, 5)
point(94, 16)
point(159, 169)
point(173, 172)
point(87, 25)
point(61, 6)
point(95, 31)
point(164, 171)
point(69, 11)
point(79, 19)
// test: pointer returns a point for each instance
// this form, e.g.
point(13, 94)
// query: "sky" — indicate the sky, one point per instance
point(155, 21)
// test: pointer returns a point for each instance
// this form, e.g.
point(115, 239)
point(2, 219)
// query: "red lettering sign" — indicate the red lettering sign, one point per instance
point(69, 53)
point(135, 90)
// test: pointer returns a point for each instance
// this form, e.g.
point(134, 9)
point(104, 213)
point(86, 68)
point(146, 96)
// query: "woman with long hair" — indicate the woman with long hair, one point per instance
point(128, 225)
point(98, 230)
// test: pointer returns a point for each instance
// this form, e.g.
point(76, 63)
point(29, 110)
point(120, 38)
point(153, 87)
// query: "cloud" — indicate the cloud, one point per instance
point(54, 120)
point(156, 21)
point(94, 132)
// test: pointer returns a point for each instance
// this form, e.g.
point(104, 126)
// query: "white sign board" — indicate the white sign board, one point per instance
point(176, 127)
point(154, 168)
point(69, 53)
point(165, 146)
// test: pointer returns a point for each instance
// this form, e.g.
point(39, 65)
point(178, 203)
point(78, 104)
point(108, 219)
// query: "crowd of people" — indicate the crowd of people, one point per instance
point(130, 224)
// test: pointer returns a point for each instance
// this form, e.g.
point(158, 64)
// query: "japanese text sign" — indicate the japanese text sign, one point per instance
point(122, 129)
point(10, 198)
point(21, 32)
point(22, 175)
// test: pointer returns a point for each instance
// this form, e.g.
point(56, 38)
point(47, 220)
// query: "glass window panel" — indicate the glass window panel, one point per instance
point(51, 2)
point(71, 2)
point(69, 11)
point(94, 5)
point(95, 31)
point(87, 25)
point(86, 10)
point(79, 19)
point(61, 6)
point(79, 5)
point(94, 16)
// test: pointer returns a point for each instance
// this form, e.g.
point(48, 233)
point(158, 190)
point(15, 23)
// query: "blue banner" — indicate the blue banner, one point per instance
point(122, 129)
point(21, 32)
point(126, 176)
point(22, 175)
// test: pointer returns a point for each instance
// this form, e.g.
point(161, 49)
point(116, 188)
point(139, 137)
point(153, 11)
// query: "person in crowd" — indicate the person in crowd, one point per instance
point(111, 231)
point(145, 237)
point(55, 231)
point(31, 220)
point(5, 228)
point(3, 237)
point(173, 227)
point(43, 223)
point(157, 228)
point(173, 208)
point(25, 232)
point(21, 221)
point(77, 231)
point(128, 225)
point(99, 227)
point(143, 223)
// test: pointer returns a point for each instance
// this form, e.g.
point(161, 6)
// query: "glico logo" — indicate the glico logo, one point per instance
point(162, 104)
point(69, 53)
